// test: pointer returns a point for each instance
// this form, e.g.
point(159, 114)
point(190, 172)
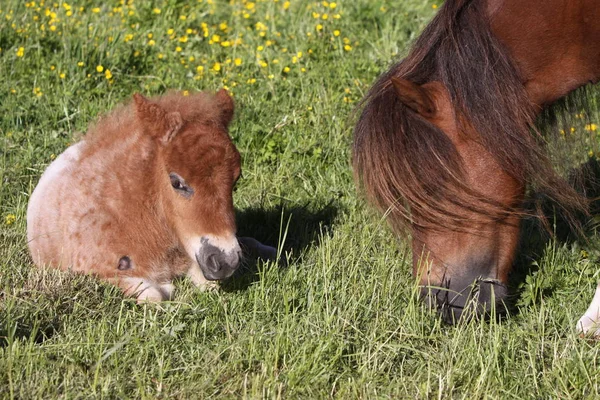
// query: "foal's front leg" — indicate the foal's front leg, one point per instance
point(589, 323)
point(146, 290)
point(198, 279)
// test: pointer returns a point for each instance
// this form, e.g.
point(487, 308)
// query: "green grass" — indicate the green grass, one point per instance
point(343, 319)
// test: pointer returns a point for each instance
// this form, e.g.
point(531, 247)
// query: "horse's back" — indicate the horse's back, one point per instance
point(44, 224)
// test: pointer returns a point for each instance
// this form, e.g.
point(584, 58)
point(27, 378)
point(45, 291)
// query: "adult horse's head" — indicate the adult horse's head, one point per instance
point(196, 169)
point(444, 146)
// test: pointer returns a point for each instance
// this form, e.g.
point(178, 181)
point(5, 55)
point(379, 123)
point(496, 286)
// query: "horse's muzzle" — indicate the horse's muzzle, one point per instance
point(216, 263)
point(461, 299)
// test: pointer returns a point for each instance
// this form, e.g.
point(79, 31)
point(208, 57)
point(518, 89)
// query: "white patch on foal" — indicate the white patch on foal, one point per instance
point(145, 290)
point(54, 171)
point(589, 323)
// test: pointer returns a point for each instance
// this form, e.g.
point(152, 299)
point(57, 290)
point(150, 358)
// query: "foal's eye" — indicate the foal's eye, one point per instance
point(179, 185)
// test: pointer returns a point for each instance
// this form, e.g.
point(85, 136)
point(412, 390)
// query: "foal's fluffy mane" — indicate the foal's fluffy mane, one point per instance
point(122, 121)
point(409, 168)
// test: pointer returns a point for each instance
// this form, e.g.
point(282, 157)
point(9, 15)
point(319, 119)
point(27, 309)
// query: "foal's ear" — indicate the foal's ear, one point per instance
point(414, 97)
point(226, 106)
point(155, 120)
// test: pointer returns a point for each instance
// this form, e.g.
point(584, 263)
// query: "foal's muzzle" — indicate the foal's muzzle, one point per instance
point(461, 299)
point(217, 263)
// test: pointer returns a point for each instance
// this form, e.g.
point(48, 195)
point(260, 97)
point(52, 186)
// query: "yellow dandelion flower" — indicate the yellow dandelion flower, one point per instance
point(99, 68)
point(20, 52)
point(107, 74)
point(591, 127)
point(226, 43)
point(434, 6)
point(216, 67)
point(151, 42)
point(62, 75)
point(286, 69)
point(347, 47)
point(286, 5)
point(336, 33)
point(332, 5)
point(200, 69)
point(178, 49)
point(183, 17)
point(237, 61)
point(52, 68)
point(170, 31)
point(96, 10)
point(186, 93)
point(10, 219)
point(156, 11)
point(319, 27)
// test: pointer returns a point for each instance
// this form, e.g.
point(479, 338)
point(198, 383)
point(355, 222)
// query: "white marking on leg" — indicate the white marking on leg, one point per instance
point(589, 323)
point(141, 288)
point(167, 290)
point(198, 279)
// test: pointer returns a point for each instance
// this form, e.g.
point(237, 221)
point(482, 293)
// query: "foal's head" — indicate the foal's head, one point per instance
point(197, 168)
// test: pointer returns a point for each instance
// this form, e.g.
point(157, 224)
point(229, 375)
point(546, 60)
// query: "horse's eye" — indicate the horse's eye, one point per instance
point(179, 185)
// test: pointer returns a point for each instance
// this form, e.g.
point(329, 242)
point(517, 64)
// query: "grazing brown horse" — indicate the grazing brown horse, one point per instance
point(446, 142)
point(144, 197)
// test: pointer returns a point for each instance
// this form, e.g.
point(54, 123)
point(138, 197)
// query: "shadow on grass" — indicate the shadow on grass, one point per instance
point(535, 237)
point(296, 228)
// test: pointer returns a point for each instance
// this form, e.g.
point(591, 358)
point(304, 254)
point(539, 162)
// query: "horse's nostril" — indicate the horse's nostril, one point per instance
point(460, 299)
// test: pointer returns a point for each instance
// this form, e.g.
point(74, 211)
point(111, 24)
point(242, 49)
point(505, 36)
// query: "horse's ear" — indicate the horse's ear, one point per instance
point(155, 120)
point(414, 97)
point(226, 106)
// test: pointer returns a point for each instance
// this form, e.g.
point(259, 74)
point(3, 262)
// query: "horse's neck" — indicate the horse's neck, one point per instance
point(554, 43)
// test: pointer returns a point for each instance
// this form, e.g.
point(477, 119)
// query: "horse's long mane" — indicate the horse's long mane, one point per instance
point(408, 167)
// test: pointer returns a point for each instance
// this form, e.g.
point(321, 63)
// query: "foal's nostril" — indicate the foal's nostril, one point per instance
point(213, 264)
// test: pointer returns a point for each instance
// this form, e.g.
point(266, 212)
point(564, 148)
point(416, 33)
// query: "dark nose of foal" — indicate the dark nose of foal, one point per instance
point(215, 263)
point(465, 297)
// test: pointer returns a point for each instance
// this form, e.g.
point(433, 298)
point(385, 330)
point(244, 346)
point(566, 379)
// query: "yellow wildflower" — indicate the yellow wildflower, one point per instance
point(99, 68)
point(10, 219)
point(20, 52)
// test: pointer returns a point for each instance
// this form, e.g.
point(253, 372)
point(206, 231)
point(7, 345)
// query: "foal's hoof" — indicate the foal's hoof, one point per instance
point(209, 286)
point(254, 249)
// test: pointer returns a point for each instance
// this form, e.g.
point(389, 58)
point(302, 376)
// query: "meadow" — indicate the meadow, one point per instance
point(343, 319)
